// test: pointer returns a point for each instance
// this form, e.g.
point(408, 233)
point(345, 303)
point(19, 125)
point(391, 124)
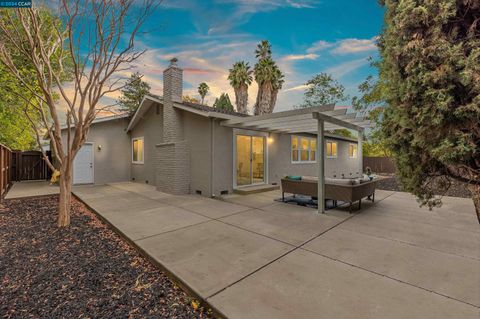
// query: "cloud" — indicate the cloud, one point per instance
point(353, 45)
point(294, 57)
point(243, 10)
point(344, 68)
point(301, 87)
point(319, 46)
point(302, 4)
point(345, 46)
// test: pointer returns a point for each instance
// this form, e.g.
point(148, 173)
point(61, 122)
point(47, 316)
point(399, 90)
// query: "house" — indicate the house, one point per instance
point(184, 147)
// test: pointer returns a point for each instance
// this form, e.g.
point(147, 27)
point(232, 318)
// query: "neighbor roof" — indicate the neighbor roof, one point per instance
point(196, 108)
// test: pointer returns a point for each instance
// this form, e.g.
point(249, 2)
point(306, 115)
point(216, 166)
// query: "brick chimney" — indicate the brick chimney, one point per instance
point(173, 82)
point(172, 169)
point(172, 92)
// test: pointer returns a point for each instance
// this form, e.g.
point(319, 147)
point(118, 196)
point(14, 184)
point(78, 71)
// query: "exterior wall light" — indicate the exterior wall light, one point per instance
point(99, 147)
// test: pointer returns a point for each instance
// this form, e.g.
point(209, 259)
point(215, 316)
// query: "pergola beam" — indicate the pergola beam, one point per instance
point(291, 121)
point(333, 120)
point(284, 114)
point(302, 124)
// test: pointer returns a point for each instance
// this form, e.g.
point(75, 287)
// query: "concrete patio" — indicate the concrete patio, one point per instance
point(252, 257)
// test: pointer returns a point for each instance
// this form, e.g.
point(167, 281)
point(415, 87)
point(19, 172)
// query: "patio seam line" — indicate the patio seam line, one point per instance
point(410, 244)
point(189, 210)
point(288, 252)
point(386, 276)
point(414, 245)
point(209, 219)
point(172, 230)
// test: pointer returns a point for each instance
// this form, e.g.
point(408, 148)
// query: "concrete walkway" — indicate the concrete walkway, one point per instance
point(252, 257)
point(31, 189)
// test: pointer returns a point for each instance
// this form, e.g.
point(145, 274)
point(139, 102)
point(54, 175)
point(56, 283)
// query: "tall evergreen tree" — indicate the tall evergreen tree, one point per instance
point(240, 77)
point(430, 66)
point(133, 93)
point(223, 103)
point(203, 90)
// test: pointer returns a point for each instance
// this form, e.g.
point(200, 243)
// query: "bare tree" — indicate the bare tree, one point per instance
point(96, 40)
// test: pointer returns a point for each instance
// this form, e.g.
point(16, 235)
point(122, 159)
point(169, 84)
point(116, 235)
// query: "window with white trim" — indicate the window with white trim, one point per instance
point(303, 149)
point(137, 150)
point(352, 150)
point(332, 149)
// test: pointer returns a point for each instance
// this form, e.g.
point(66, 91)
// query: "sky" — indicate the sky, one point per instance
point(307, 37)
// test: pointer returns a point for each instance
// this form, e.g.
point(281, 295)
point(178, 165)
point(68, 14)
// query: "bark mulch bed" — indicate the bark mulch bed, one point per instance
point(84, 271)
point(457, 189)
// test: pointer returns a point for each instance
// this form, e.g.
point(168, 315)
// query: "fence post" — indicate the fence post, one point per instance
point(1, 172)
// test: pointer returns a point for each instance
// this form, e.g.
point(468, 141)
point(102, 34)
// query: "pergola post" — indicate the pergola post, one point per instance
point(321, 165)
point(360, 150)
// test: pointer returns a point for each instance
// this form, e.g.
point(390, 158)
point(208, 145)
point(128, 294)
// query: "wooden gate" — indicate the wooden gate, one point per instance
point(5, 170)
point(29, 165)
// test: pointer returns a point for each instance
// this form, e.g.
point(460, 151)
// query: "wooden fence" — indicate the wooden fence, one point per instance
point(29, 165)
point(379, 164)
point(5, 169)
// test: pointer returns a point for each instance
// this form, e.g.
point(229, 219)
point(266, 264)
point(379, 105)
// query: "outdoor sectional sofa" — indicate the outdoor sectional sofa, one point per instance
point(346, 190)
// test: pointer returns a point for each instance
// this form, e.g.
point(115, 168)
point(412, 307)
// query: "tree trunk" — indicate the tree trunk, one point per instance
point(475, 190)
point(256, 107)
point(241, 95)
point(273, 100)
point(265, 98)
point(64, 204)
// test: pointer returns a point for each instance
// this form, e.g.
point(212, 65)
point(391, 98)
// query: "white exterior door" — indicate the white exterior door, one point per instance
point(83, 165)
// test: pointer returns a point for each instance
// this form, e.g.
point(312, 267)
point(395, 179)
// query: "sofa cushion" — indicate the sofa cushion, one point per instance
point(294, 178)
point(310, 178)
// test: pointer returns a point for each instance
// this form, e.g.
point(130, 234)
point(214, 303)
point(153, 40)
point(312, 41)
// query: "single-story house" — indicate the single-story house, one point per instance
point(183, 147)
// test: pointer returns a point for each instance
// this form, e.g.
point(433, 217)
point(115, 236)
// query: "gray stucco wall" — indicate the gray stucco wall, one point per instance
point(223, 170)
point(151, 128)
point(197, 133)
point(280, 163)
point(112, 162)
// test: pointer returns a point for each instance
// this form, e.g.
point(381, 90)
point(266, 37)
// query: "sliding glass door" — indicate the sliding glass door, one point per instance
point(250, 160)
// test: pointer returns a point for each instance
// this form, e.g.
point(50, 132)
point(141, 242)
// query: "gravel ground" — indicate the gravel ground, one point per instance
point(84, 271)
point(456, 190)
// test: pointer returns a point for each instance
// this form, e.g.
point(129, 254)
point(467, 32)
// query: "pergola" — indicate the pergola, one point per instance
point(313, 120)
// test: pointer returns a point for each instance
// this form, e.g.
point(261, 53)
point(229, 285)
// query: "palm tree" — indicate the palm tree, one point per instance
point(264, 70)
point(240, 78)
point(203, 90)
point(277, 83)
point(268, 77)
point(270, 80)
point(263, 50)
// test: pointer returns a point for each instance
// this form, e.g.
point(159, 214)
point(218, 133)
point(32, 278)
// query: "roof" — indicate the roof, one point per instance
point(103, 119)
point(202, 107)
point(203, 110)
